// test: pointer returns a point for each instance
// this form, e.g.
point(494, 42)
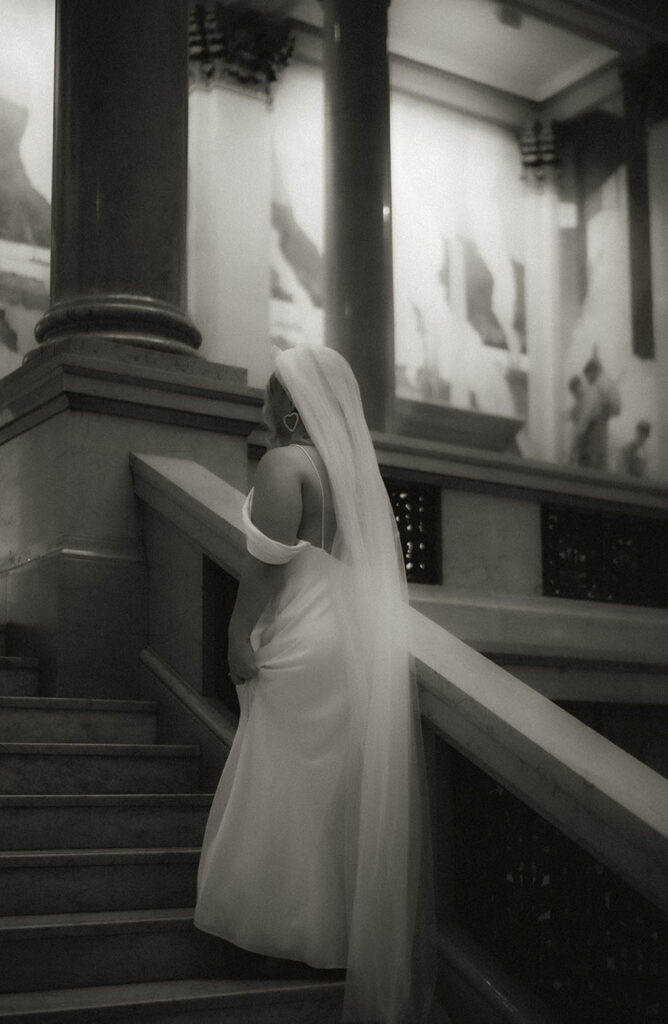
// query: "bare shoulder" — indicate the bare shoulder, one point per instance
point(279, 462)
point(277, 502)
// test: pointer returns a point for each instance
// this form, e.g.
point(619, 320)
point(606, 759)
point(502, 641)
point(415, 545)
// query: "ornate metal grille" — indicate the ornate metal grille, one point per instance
point(572, 931)
point(417, 510)
point(598, 556)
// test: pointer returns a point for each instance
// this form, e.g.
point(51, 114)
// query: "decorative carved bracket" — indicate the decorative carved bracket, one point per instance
point(239, 47)
point(538, 149)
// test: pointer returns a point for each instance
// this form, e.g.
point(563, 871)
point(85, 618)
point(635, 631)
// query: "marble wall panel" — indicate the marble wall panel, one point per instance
point(175, 598)
point(491, 543)
point(68, 479)
point(84, 617)
point(71, 550)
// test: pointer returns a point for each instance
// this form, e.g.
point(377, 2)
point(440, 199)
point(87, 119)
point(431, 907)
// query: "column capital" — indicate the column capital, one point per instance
point(538, 150)
point(242, 47)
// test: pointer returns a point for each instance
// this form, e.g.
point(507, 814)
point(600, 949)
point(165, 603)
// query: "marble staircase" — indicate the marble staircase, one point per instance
point(100, 827)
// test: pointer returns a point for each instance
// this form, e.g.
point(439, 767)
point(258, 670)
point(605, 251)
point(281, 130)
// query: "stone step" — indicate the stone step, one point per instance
point(193, 1001)
point(97, 768)
point(120, 947)
point(80, 821)
point(70, 720)
point(19, 677)
point(64, 881)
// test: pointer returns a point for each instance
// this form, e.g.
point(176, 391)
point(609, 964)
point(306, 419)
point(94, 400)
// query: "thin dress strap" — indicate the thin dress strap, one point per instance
point(322, 494)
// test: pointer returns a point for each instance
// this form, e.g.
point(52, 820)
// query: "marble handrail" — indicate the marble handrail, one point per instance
point(609, 802)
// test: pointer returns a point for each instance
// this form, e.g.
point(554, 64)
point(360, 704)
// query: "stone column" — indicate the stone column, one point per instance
point(543, 293)
point(119, 179)
point(359, 311)
point(636, 98)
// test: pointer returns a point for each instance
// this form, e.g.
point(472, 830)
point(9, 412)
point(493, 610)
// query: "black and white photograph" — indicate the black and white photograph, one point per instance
point(334, 511)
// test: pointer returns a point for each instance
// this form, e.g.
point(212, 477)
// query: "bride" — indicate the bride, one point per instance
point(315, 848)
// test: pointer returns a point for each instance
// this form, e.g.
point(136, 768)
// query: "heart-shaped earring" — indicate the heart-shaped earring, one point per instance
point(290, 421)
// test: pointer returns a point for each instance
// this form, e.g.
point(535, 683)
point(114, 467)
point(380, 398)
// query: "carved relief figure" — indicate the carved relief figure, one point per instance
point(633, 456)
point(598, 402)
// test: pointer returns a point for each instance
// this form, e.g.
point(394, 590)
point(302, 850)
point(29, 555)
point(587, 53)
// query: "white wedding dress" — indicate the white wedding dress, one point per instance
point(271, 876)
point(317, 846)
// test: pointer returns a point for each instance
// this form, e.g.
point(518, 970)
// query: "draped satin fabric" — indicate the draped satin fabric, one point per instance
point(271, 874)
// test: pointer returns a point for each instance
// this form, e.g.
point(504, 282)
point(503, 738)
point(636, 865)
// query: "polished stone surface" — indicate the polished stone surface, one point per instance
point(610, 803)
point(510, 475)
point(517, 625)
point(175, 625)
point(447, 423)
point(100, 948)
point(71, 563)
point(359, 312)
point(120, 166)
point(116, 820)
point(18, 676)
point(193, 1001)
point(54, 720)
point(544, 323)
point(581, 678)
point(491, 544)
point(97, 768)
point(126, 381)
point(153, 364)
point(147, 323)
point(83, 614)
point(230, 178)
point(186, 716)
point(476, 987)
point(72, 881)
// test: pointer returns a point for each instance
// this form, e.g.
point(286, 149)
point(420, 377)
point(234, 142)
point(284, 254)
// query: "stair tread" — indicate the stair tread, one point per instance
point(104, 749)
point(104, 799)
point(106, 855)
point(11, 661)
point(79, 704)
point(34, 925)
point(202, 992)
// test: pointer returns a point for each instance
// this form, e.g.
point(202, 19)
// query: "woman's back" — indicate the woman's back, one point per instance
point(318, 524)
point(308, 849)
point(293, 496)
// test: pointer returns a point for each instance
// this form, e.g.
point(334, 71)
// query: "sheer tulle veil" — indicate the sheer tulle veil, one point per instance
point(388, 874)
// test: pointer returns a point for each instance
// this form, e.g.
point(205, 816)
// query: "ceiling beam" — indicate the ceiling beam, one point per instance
point(628, 26)
point(584, 95)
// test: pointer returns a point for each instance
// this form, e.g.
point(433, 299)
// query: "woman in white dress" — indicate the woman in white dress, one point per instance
point(315, 848)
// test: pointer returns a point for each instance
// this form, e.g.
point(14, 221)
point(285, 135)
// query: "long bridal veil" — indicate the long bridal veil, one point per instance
point(388, 871)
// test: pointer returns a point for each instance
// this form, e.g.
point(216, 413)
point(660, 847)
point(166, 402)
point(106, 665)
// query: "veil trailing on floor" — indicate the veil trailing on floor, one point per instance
point(388, 873)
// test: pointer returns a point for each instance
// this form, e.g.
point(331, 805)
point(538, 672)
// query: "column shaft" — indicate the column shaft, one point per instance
point(635, 118)
point(120, 166)
point(359, 310)
point(543, 294)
